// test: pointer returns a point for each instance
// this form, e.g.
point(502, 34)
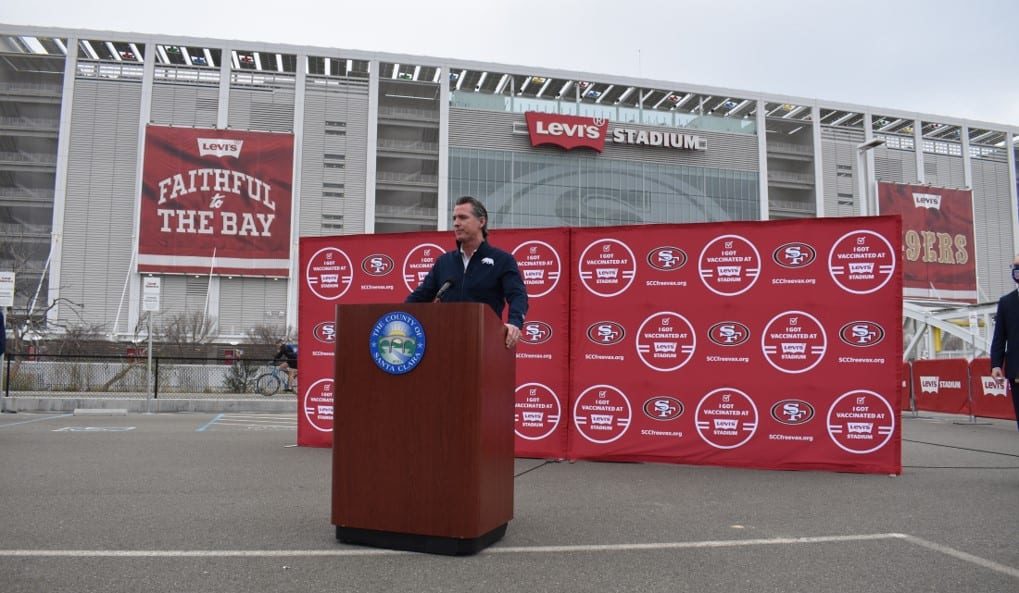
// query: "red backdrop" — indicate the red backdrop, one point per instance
point(216, 200)
point(772, 345)
point(938, 246)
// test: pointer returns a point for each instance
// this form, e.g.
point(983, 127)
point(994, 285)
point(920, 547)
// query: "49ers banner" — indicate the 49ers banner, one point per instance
point(216, 200)
point(938, 247)
point(756, 344)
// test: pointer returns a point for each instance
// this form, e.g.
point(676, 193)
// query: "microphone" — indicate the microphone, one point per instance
point(442, 291)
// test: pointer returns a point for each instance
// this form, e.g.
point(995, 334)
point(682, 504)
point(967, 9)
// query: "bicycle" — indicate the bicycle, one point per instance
point(270, 383)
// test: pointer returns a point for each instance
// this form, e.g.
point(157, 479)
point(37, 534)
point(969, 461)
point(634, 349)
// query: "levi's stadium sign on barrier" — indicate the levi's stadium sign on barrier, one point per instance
point(216, 201)
point(750, 344)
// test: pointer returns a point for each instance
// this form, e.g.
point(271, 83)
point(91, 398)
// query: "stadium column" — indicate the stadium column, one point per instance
point(815, 124)
point(442, 211)
point(60, 185)
point(144, 116)
point(1013, 190)
point(293, 283)
point(371, 159)
point(921, 174)
point(762, 158)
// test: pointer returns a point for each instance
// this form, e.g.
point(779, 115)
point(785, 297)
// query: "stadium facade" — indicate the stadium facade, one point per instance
point(384, 142)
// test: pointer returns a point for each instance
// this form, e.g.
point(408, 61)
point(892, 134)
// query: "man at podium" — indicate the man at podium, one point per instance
point(475, 271)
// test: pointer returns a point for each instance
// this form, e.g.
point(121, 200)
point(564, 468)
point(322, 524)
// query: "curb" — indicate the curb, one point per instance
point(99, 405)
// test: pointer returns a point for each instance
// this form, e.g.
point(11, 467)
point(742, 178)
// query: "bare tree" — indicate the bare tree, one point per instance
point(184, 331)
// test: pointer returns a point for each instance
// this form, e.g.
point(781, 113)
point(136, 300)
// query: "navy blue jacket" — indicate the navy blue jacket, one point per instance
point(492, 277)
point(1005, 345)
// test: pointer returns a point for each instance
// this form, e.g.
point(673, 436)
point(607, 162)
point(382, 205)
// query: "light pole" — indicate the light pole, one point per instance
point(863, 182)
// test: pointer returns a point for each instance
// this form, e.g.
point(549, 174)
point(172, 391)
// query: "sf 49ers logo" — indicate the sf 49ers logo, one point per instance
point(794, 255)
point(663, 408)
point(606, 333)
point(728, 333)
point(666, 259)
point(792, 412)
point(377, 264)
point(861, 334)
point(536, 332)
point(325, 332)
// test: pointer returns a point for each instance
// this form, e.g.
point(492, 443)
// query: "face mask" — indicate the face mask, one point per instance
point(1015, 273)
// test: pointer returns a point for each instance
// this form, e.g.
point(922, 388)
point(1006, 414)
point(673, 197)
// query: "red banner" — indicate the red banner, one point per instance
point(938, 245)
point(216, 200)
point(992, 398)
point(941, 385)
point(770, 345)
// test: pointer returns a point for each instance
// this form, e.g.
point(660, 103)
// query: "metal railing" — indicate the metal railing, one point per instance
point(170, 377)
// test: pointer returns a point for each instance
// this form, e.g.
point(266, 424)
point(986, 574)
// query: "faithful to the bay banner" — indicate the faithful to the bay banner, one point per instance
point(475, 271)
point(1005, 345)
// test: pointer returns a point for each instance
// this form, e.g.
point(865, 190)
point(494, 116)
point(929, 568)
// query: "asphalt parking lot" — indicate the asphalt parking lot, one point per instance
point(224, 503)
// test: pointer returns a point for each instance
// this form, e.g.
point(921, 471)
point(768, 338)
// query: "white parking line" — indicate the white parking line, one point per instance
point(347, 552)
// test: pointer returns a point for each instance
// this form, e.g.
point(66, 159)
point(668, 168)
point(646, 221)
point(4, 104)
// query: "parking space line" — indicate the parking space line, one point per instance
point(35, 420)
point(984, 562)
point(210, 423)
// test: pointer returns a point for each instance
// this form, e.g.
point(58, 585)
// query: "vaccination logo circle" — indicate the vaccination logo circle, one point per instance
point(418, 263)
point(726, 418)
point(861, 262)
point(318, 405)
point(329, 273)
point(397, 343)
point(665, 341)
point(729, 265)
point(536, 411)
point(794, 342)
point(607, 267)
point(540, 267)
point(861, 421)
point(602, 414)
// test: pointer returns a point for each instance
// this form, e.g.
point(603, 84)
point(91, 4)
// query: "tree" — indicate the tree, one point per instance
point(183, 331)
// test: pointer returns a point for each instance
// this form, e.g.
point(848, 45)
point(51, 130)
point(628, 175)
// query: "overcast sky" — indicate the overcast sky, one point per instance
point(948, 57)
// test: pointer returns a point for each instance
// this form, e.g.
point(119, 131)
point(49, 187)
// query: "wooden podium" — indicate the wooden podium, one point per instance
point(423, 461)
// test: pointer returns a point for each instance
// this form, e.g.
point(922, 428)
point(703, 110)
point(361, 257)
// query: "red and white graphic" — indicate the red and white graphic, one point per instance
point(861, 262)
point(861, 421)
point(329, 273)
point(666, 341)
point(607, 267)
point(317, 403)
point(536, 412)
point(792, 412)
point(535, 332)
point(540, 267)
point(378, 265)
point(602, 414)
point(663, 408)
point(215, 200)
point(992, 398)
point(729, 333)
point(794, 342)
point(726, 418)
point(794, 255)
point(729, 265)
point(606, 333)
point(418, 263)
point(862, 334)
point(989, 386)
point(325, 332)
point(566, 131)
point(938, 240)
point(667, 258)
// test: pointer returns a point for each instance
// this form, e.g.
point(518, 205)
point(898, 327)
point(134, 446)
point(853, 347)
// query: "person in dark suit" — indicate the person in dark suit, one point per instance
point(476, 272)
point(1005, 344)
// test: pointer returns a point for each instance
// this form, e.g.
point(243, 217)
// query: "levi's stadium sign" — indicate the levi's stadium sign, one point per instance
point(572, 131)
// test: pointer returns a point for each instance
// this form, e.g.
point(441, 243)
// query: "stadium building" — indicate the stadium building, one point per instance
point(384, 143)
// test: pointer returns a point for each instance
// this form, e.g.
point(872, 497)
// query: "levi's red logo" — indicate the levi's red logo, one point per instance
point(566, 131)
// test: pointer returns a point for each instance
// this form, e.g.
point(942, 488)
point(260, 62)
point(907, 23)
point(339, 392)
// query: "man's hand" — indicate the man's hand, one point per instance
point(997, 374)
point(512, 335)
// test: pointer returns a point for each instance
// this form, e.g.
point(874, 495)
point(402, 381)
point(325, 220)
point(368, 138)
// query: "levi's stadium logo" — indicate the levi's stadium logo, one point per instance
point(566, 131)
point(219, 147)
